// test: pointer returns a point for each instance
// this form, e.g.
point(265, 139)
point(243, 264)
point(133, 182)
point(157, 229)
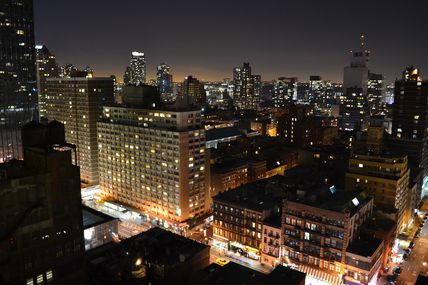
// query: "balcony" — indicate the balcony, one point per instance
point(295, 246)
point(272, 235)
point(312, 252)
point(273, 244)
point(314, 218)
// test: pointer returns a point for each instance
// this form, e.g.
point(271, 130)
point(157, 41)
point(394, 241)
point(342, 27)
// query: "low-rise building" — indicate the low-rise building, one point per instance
point(214, 136)
point(227, 175)
point(239, 215)
point(271, 241)
point(156, 256)
point(233, 273)
point(363, 260)
point(318, 225)
point(98, 228)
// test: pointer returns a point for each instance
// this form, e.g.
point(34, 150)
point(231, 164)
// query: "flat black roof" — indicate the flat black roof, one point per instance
point(221, 133)
point(255, 196)
point(163, 247)
point(92, 218)
point(364, 247)
point(273, 221)
point(233, 273)
point(285, 275)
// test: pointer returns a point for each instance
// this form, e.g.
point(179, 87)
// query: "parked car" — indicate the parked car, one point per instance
point(391, 278)
point(412, 244)
point(397, 270)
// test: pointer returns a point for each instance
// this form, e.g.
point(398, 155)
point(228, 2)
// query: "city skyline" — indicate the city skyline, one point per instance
point(215, 178)
point(278, 39)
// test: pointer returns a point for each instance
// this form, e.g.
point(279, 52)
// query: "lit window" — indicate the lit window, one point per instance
point(360, 165)
point(30, 281)
point(49, 275)
point(39, 279)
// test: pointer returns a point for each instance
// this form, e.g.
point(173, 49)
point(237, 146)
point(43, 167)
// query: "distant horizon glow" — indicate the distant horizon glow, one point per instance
point(208, 41)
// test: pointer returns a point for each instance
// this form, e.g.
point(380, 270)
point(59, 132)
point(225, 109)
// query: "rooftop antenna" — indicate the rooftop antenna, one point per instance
point(362, 42)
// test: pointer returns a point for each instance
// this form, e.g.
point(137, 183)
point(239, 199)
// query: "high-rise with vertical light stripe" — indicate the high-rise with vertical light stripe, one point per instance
point(18, 94)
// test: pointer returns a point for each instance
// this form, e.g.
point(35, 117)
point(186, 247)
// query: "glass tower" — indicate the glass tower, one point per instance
point(18, 94)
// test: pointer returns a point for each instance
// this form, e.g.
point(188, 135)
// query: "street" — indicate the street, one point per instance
point(131, 224)
point(237, 258)
point(416, 261)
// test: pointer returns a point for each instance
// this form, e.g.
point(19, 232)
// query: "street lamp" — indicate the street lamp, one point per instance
point(138, 261)
point(424, 263)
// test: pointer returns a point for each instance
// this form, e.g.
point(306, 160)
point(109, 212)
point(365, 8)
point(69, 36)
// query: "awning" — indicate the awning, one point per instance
point(319, 274)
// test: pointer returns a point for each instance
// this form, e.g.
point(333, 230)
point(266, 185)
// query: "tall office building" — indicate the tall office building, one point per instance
point(89, 71)
point(77, 103)
point(68, 70)
point(356, 74)
point(376, 94)
point(410, 118)
point(284, 91)
point(164, 81)
point(18, 96)
point(354, 110)
point(303, 89)
point(389, 94)
point(321, 95)
point(385, 177)
point(135, 73)
point(127, 75)
point(246, 88)
point(154, 160)
point(41, 236)
point(194, 90)
point(46, 68)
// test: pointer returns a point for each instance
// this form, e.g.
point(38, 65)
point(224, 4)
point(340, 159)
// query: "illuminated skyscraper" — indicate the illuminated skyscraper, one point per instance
point(285, 88)
point(154, 160)
point(355, 109)
point(376, 94)
point(136, 72)
point(46, 68)
point(68, 70)
point(77, 102)
point(164, 81)
point(410, 118)
point(18, 94)
point(356, 74)
point(194, 90)
point(246, 88)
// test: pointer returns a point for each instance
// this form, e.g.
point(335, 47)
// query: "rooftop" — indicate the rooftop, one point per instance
point(163, 247)
point(92, 218)
point(221, 133)
point(227, 165)
point(365, 247)
point(233, 273)
point(281, 273)
point(273, 221)
point(258, 196)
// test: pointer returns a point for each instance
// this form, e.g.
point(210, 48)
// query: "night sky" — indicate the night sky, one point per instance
point(208, 38)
